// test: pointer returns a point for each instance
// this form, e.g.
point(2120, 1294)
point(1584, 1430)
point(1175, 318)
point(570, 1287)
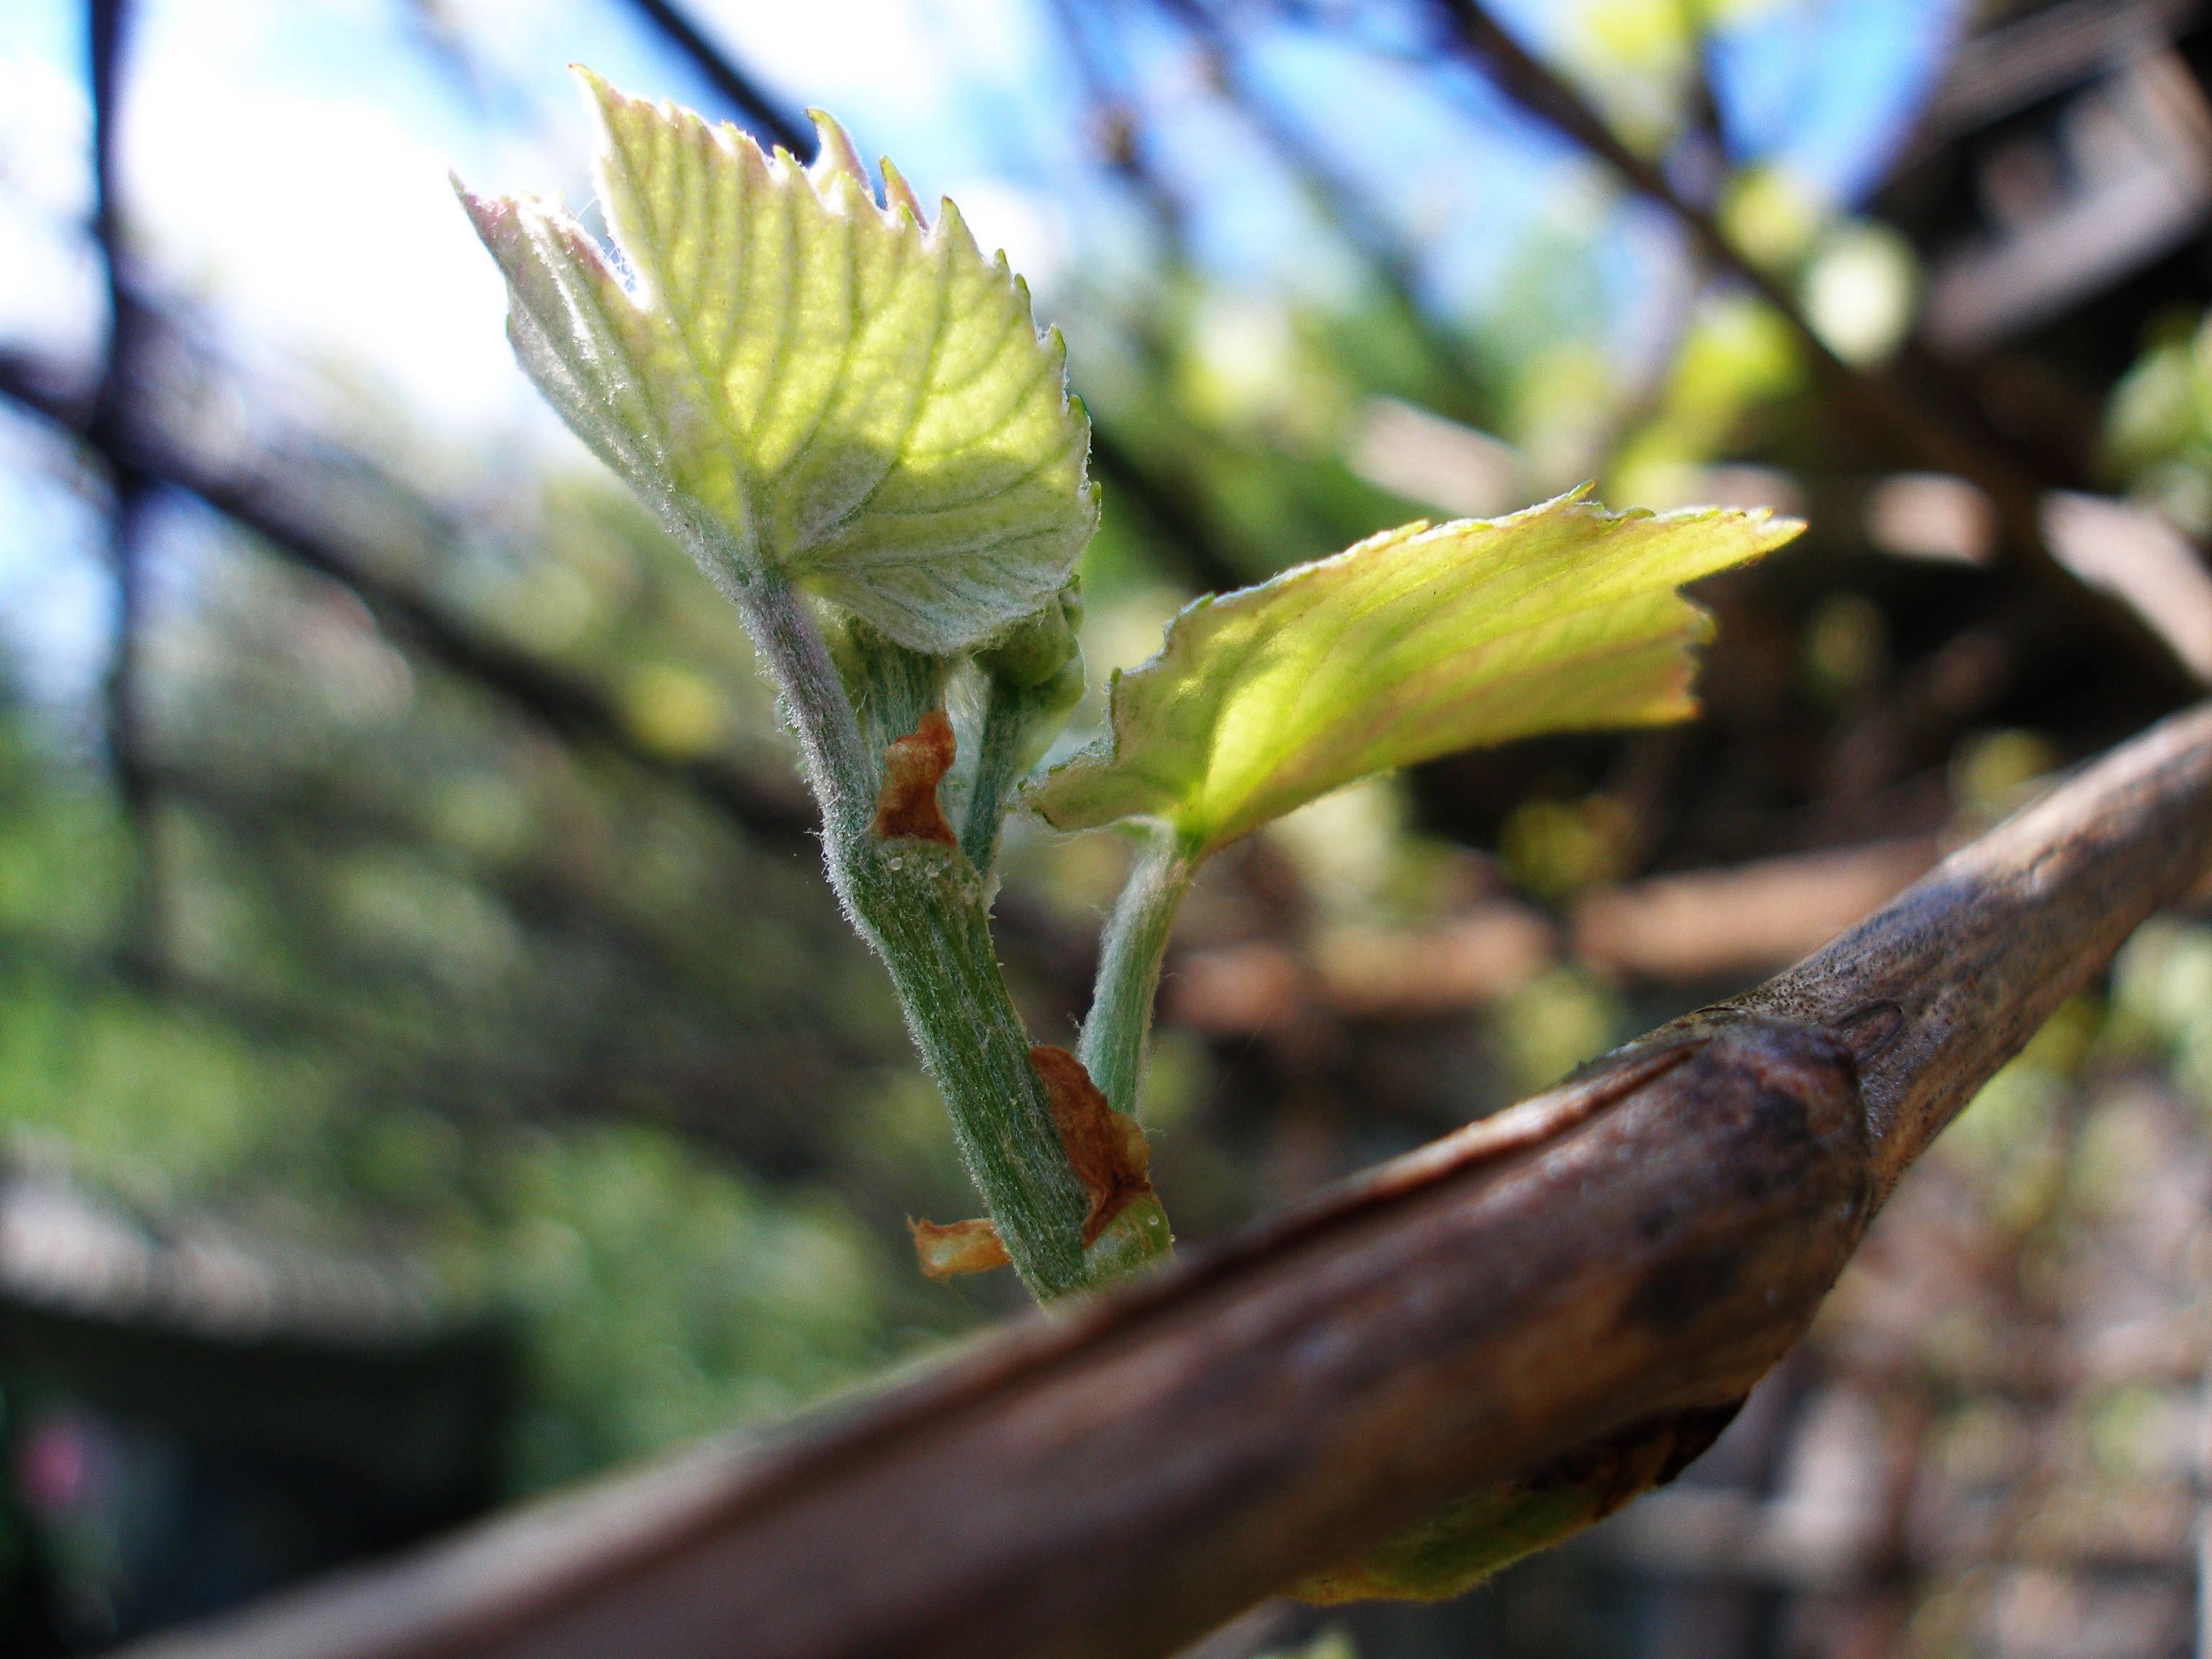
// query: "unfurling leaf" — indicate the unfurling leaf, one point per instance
point(1413, 644)
point(795, 376)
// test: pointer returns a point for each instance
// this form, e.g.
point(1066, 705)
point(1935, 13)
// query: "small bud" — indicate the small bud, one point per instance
point(1040, 646)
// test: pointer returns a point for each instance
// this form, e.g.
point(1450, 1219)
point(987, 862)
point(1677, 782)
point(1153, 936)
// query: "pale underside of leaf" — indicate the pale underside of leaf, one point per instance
point(796, 376)
point(1413, 644)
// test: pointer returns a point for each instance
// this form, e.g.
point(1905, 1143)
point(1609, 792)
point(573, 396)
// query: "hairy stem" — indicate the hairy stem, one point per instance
point(1113, 1045)
point(999, 767)
point(919, 903)
point(838, 767)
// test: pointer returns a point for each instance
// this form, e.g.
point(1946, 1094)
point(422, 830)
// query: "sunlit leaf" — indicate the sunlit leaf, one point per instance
point(1413, 643)
point(794, 375)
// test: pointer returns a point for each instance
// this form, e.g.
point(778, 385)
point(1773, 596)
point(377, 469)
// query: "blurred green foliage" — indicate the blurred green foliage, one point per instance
point(2158, 428)
point(410, 982)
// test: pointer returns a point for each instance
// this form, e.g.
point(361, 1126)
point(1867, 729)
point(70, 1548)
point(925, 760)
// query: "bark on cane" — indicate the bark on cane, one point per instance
point(1610, 1263)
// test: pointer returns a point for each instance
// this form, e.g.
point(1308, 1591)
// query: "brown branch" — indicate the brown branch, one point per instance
point(1874, 403)
point(1606, 1266)
point(1977, 954)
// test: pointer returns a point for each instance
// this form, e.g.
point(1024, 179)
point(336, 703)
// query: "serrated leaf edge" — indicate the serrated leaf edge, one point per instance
point(835, 176)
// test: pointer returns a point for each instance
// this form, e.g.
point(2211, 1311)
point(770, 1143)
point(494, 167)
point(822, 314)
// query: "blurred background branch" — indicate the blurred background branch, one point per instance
point(1878, 406)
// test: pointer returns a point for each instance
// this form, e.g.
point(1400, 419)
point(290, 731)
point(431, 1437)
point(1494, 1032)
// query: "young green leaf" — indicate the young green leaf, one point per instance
point(795, 376)
point(1412, 644)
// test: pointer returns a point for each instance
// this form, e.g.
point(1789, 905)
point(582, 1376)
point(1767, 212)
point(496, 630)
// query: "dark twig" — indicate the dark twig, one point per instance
point(1333, 199)
point(130, 492)
point(1529, 83)
point(769, 120)
point(264, 502)
point(569, 706)
point(1568, 1297)
point(1116, 131)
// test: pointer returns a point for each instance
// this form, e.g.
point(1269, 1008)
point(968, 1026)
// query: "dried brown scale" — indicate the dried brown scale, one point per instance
point(907, 808)
point(956, 1248)
point(1105, 1148)
point(1639, 1244)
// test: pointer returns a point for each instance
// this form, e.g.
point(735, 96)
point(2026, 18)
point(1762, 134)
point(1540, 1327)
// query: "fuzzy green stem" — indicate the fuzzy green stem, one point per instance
point(839, 769)
point(919, 903)
point(1120, 1018)
point(999, 768)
